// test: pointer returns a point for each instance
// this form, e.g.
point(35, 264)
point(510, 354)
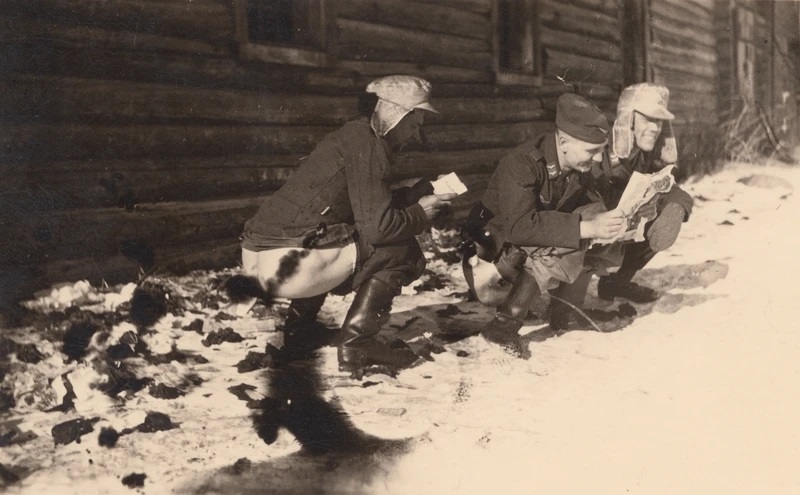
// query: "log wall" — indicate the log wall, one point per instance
point(141, 134)
point(144, 133)
point(682, 55)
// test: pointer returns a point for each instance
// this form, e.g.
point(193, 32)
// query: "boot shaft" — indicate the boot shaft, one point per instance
point(370, 310)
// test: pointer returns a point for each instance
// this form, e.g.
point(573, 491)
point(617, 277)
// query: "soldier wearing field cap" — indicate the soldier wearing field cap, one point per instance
point(336, 225)
point(539, 213)
point(642, 141)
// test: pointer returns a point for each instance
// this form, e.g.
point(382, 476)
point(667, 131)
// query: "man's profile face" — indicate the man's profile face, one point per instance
point(646, 131)
point(578, 155)
point(407, 131)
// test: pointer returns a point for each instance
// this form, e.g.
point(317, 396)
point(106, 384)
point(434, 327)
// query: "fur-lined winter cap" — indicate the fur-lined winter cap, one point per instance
point(651, 100)
point(397, 96)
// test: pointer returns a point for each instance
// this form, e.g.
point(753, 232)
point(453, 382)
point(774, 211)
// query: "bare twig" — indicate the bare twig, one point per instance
point(578, 310)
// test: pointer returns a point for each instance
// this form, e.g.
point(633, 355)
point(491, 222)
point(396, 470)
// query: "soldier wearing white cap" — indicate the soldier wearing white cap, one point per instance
point(336, 225)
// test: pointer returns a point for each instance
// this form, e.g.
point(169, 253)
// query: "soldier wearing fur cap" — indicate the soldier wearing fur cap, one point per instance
point(536, 219)
point(643, 141)
point(336, 225)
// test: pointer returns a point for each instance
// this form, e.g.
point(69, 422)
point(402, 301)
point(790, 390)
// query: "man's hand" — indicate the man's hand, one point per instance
point(434, 203)
point(604, 226)
point(648, 211)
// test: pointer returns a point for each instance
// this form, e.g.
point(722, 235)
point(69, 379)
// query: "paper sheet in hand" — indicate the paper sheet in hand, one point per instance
point(641, 189)
point(449, 184)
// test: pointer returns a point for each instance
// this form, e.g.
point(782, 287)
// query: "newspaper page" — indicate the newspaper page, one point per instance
point(641, 189)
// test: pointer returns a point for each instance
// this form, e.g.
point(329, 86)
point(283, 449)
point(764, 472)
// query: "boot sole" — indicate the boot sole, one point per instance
point(352, 360)
point(665, 228)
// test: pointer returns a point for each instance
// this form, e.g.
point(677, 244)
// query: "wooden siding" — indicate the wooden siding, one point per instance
point(682, 55)
point(134, 132)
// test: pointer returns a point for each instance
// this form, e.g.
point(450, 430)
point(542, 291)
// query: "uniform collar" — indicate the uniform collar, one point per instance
point(550, 153)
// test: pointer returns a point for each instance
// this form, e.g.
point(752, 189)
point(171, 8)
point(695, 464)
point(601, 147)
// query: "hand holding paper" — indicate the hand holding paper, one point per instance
point(448, 184)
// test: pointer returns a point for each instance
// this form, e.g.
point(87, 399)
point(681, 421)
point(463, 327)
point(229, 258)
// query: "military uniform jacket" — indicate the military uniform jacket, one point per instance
point(530, 202)
point(342, 182)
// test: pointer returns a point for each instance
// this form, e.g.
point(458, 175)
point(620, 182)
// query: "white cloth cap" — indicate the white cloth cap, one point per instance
point(397, 96)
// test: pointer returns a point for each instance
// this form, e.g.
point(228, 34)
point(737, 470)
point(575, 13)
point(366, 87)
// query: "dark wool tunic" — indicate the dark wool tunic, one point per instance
point(530, 202)
point(343, 181)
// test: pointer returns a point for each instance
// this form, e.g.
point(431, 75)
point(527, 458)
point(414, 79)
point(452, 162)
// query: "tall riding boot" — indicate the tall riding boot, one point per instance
point(304, 311)
point(504, 328)
point(302, 333)
point(369, 311)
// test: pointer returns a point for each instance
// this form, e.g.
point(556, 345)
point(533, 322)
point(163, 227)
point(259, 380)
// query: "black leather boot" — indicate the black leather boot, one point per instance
point(610, 287)
point(369, 311)
point(504, 328)
point(302, 333)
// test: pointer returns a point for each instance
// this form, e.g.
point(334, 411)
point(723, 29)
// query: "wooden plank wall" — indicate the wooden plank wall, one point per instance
point(132, 133)
point(786, 73)
point(682, 55)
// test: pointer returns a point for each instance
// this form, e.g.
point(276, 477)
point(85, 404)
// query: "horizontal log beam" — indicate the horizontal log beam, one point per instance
point(102, 233)
point(480, 161)
point(42, 142)
point(677, 63)
point(580, 44)
point(669, 40)
point(681, 18)
point(707, 5)
point(609, 7)
point(467, 137)
point(47, 57)
point(573, 19)
point(677, 82)
point(691, 56)
point(362, 40)
point(195, 20)
point(432, 73)
point(441, 18)
point(684, 9)
point(32, 187)
point(12, 28)
point(107, 100)
point(574, 69)
point(483, 7)
point(700, 36)
point(474, 110)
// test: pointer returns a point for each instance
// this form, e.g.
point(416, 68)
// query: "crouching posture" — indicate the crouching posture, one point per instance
point(336, 225)
point(642, 141)
point(538, 214)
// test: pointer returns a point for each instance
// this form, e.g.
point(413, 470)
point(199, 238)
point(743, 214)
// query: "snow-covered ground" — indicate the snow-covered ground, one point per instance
point(697, 394)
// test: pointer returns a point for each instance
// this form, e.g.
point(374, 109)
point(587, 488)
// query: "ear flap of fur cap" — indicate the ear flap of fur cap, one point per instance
point(669, 147)
point(622, 134)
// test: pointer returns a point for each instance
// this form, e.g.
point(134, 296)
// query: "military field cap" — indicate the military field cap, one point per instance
point(581, 119)
point(649, 99)
point(408, 92)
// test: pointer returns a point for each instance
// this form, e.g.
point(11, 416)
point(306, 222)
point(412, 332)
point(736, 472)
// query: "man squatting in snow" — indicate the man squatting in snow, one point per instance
point(539, 214)
point(642, 141)
point(337, 226)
